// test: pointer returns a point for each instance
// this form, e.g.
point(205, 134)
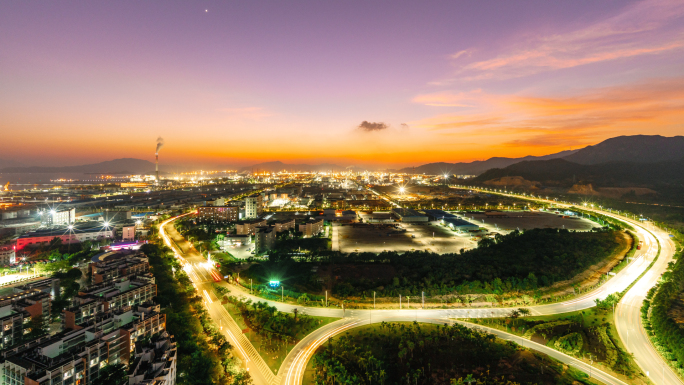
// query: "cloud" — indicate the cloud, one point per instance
point(653, 106)
point(367, 126)
point(460, 53)
point(646, 28)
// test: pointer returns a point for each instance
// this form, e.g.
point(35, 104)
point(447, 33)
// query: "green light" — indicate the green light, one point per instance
point(274, 283)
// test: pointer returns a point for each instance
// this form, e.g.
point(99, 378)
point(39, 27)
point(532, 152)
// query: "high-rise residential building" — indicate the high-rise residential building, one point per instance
point(254, 206)
point(264, 239)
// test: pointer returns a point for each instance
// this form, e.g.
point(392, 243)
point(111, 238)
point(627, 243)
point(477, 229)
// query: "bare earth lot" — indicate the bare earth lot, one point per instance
point(436, 238)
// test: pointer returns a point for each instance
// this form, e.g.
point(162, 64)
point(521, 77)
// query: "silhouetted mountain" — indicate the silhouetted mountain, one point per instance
point(280, 166)
point(9, 163)
point(563, 173)
point(477, 167)
point(636, 149)
point(116, 166)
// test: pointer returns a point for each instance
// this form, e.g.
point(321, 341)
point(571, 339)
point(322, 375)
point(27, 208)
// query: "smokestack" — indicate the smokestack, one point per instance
point(160, 143)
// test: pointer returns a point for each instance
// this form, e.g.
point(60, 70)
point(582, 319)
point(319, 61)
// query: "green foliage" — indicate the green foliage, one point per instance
point(666, 334)
point(519, 261)
point(570, 343)
point(608, 303)
point(268, 321)
point(611, 349)
point(546, 328)
point(113, 375)
point(428, 354)
point(202, 348)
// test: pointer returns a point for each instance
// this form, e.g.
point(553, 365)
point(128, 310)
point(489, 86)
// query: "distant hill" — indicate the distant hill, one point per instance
point(563, 173)
point(116, 166)
point(9, 163)
point(280, 166)
point(636, 149)
point(479, 166)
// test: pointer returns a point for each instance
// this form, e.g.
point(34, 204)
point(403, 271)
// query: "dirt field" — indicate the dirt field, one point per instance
point(431, 236)
point(424, 236)
point(529, 220)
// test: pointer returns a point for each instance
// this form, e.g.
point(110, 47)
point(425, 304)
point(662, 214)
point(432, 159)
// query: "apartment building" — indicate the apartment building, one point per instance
point(254, 206)
point(312, 227)
point(218, 214)
point(249, 227)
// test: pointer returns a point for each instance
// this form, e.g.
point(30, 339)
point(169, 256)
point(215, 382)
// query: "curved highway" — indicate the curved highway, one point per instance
point(628, 315)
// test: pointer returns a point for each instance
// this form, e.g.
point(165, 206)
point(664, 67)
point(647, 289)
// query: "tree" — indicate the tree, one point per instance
point(37, 328)
point(524, 311)
point(113, 375)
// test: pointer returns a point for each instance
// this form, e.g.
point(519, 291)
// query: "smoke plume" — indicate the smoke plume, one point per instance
point(160, 143)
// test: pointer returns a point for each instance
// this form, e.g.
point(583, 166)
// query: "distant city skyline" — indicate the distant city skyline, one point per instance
point(382, 83)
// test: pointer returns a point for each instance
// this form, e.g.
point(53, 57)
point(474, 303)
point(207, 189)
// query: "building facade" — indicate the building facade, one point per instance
point(254, 206)
point(264, 239)
point(218, 214)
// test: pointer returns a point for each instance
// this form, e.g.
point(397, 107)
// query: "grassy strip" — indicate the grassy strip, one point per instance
point(665, 334)
point(592, 331)
point(408, 352)
point(272, 346)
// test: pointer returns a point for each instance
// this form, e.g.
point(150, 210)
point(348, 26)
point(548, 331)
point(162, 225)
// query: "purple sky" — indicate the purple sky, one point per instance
point(241, 82)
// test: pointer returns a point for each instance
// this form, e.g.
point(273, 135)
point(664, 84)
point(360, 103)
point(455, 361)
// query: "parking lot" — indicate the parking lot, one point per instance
point(432, 236)
point(377, 238)
point(528, 220)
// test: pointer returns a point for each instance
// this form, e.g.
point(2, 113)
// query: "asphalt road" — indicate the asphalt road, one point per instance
point(628, 316)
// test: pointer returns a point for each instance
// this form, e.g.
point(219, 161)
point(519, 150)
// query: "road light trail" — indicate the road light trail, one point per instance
point(647, 359)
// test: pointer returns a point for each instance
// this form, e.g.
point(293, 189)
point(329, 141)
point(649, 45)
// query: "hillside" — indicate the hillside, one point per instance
point(636, 149)
point(116, 166)
point(477, 167)
point(562, 173)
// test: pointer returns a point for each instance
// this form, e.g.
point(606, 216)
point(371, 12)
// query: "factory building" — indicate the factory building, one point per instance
point(73, 235)
point(408, 215)
point(59, 217)
point(460, 225)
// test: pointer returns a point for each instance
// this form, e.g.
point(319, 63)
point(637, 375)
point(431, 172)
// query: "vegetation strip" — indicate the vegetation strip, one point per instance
point(665, 334)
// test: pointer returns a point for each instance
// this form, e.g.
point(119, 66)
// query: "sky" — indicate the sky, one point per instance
point(383, 83)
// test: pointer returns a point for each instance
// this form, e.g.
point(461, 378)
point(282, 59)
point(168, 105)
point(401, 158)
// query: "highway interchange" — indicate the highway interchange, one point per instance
point(628, 315)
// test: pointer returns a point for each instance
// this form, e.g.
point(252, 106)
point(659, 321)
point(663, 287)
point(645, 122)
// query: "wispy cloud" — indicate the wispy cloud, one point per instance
point(532, 121)
point(646, 28)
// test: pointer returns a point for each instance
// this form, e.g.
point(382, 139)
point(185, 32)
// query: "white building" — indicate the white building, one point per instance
point(60, 217)
point(254, 205)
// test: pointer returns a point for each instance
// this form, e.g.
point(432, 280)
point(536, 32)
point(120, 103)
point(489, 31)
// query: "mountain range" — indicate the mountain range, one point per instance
point(116, 166)
point(653, 163)
point(477, 167)
point(638, 149)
